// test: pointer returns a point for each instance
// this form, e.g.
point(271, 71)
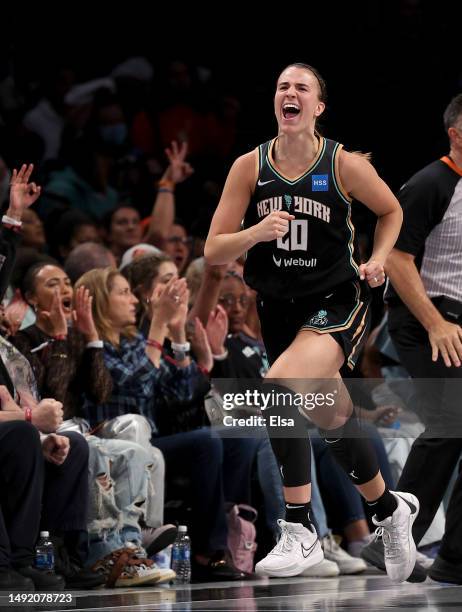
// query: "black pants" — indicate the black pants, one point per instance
point(21, 486)
point(433, 458)
point(35, 494)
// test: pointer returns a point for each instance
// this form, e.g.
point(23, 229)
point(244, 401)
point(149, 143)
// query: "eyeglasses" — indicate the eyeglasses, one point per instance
point(230, 301)
point(180, 240)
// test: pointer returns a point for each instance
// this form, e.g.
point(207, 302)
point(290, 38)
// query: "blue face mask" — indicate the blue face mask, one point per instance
point(115, 134)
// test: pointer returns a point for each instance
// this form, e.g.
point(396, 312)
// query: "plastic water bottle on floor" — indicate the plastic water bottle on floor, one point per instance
point(181, 556)
point(45, 553)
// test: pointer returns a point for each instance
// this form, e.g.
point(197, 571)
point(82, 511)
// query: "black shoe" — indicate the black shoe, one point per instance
point(43, 581)
point(10, 580)
point(83, 579)
point(374, 554)
point(155, 540)
point(217, 570)
point(444, 571)
point(75, 576)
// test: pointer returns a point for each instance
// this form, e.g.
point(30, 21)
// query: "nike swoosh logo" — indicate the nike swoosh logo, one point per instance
point(261, 183)
point(328, 296)
point(308, 550)
point(277, 261)
point(411, 506)
point(290, 507)
point(331, 441)
point(353, 475)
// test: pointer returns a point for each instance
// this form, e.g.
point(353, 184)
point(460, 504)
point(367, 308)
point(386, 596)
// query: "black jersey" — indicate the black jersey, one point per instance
point(318, 252)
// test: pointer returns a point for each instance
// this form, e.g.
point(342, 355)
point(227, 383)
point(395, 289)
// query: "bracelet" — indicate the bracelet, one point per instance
point(155, 344)
point(10, 221)
point(183, 347)
point(164, 190)
point(166, 183)
point(60, 337)
point(28, 415)
point(203, 370)
point(95, 344)
point(221, 357)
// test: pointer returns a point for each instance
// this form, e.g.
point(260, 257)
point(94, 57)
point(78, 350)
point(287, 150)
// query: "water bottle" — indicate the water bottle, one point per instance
point(181, 556)
point(45, 553)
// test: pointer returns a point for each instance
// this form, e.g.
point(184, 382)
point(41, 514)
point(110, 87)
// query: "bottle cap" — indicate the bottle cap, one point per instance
point(44, 534)
point(182, 529)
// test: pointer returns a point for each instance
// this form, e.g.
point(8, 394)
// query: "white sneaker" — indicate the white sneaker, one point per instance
point(298, 549)
point(396, 532)
point(346, 563)
point(325, 569)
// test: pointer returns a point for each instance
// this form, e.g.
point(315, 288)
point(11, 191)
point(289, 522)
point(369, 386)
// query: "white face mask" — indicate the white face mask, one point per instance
point(5, 186)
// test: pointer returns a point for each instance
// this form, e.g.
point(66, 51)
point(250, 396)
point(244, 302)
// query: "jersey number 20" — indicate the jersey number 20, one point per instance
point(296, 238)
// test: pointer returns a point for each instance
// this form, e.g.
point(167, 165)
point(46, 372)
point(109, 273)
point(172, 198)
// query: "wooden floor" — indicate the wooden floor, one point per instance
point(370, 591)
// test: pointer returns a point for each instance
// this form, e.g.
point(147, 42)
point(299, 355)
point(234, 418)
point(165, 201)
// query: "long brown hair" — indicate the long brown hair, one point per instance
point(99, 283)
point(141, 273)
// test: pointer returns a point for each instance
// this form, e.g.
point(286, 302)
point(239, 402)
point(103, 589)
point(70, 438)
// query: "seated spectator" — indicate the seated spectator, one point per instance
point(32, 231)
point(88, 256)
point(57, 486)
point(84, 183)
point(68, 362)
point(139, 250)
point(69, 230)
point(48, 117)
point(178, 244)
point(142, 378)
point(123, 229)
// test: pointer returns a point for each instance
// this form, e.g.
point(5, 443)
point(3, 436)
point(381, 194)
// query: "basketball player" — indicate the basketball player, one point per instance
point(294, 195)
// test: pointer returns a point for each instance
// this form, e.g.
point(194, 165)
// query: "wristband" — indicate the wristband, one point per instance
point(95, 344)
point(164, 190)
point(183, 347)
point(221, 357)
point(28, 415)
point(166, 183)
point(155, 344)
point(10, 221)
point(60, 337)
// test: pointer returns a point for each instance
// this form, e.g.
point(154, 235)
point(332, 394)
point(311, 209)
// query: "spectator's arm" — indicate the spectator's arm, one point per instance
point(209, 291)
point(163, 212)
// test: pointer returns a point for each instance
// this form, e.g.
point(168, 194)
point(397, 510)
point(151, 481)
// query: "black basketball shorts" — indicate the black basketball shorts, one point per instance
point(344, 313)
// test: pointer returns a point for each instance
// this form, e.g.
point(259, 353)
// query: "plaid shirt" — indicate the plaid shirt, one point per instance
point(137, 382)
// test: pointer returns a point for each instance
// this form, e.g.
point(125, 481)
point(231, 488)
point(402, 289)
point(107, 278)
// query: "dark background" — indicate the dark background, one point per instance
point(391, 67)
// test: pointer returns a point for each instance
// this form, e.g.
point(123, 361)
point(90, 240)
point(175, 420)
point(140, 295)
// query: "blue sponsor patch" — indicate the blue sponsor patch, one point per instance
point(320, 182)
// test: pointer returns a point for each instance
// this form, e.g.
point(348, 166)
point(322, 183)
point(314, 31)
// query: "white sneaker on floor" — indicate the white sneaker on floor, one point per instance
point(297, 550)
point(346, 563)
point(396, 532)
point(325, 569)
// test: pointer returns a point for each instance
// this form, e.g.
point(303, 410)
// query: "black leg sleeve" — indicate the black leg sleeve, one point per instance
point(352, 450)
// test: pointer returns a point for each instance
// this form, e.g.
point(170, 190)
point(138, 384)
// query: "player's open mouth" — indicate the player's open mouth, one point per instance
point(289, 110)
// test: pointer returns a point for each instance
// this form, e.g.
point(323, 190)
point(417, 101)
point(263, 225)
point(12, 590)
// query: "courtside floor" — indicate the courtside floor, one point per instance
point(370, 591)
